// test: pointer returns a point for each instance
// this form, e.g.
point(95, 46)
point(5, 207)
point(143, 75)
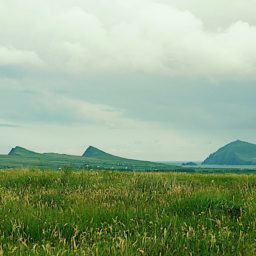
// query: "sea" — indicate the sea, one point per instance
point(216, 166)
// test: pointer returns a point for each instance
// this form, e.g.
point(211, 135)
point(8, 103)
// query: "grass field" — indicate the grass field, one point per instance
point(114, 213)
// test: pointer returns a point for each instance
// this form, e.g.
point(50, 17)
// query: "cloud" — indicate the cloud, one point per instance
point(82, 112)
point(10, 56)
point(8, 125)
point(156, 37)
point(227, 13)
point(4, 123)
point(46, 107)
point(140, 121)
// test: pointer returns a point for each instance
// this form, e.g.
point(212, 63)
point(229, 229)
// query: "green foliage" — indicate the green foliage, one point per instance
point(113, 213)
point(66, 169)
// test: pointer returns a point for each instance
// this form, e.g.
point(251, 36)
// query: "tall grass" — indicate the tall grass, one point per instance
point(111, 213)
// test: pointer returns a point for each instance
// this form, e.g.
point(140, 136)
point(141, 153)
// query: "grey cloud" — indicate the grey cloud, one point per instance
point(9, 125)
point(178, 103)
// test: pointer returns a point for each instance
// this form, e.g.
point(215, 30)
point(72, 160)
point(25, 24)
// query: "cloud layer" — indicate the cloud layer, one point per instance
point(157, 37)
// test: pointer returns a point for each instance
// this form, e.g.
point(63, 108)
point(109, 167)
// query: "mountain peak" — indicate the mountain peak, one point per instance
point(235, 153)
point(20, 151)
point(90, 148)
point(239, 142)
point(95, 152)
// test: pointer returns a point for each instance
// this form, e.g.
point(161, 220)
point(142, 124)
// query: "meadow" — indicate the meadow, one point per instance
point(125, 213)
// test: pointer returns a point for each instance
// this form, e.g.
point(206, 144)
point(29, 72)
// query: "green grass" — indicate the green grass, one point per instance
point(114, 213)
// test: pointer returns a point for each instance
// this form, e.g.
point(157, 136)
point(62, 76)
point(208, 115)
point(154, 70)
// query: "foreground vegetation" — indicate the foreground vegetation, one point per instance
point(112, 213)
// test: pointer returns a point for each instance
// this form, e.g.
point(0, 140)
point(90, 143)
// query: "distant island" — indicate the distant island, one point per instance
point(189, 164)
point(235, 153)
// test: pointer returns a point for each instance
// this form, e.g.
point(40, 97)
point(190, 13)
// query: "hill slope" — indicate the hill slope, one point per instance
point(19, 151)
point(97, 153)
point(234, 153)
point(92, 159)
point(115, 162)
point(100, 154)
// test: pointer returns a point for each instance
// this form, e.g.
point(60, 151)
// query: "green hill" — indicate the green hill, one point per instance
point(97, 153)
point(234, 153)
point(19, 151)
point(92, 159)
point(120, 163)
point(100, 154)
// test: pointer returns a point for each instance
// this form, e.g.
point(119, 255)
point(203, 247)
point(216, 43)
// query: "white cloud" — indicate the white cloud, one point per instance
point(161, 37)
point(216, 14)
point(96, 113)
point(12, 56)
point(87, 113)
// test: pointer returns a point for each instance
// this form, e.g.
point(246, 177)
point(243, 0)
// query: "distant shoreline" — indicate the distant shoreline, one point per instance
point(213, 166)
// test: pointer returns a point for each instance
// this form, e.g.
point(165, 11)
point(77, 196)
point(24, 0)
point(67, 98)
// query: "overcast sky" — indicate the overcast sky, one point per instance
point(145, 79)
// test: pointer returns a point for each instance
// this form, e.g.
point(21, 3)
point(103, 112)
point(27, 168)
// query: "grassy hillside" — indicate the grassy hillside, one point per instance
point(234, 153)
point(92, 159)
point(19, 151)
point(97, 153)
point(113, 213)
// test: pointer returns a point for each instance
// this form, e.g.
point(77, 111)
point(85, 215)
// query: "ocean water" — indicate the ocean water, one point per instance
point(252, 167)
point(199, 165)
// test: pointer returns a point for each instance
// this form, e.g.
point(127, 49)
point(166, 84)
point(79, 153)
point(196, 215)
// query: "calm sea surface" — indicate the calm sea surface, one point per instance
point(199, 165)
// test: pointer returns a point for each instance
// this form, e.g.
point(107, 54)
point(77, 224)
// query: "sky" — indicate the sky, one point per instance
point(160, 80)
